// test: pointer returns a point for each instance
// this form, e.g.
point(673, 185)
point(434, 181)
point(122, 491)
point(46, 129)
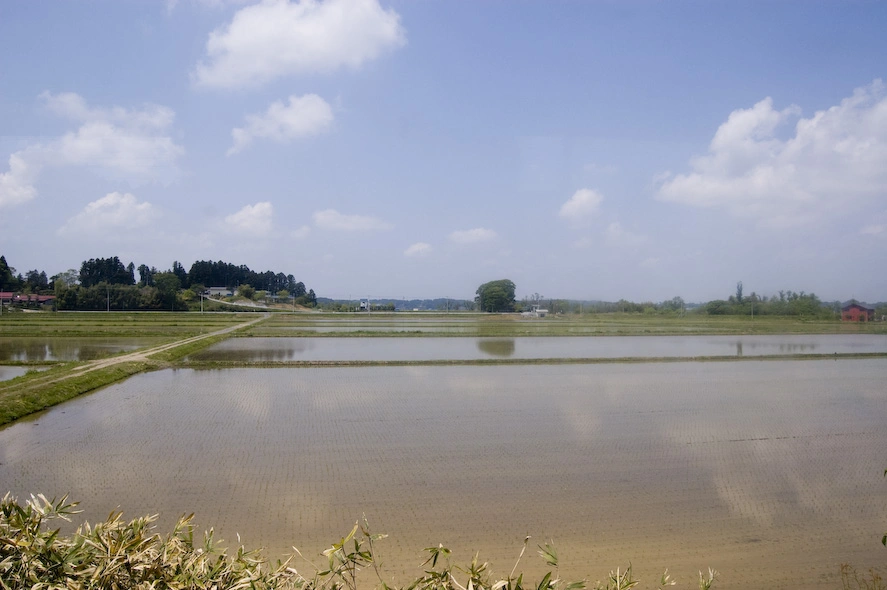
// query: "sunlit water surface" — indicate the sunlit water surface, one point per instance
point(769, 471)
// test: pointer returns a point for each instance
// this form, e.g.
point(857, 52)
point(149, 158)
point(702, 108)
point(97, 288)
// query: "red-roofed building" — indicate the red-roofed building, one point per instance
point(9, 298)
point(855, 312)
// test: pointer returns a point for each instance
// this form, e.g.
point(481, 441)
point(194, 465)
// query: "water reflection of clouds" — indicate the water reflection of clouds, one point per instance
point(718, 450)
point(782, 445)
point(7, 373)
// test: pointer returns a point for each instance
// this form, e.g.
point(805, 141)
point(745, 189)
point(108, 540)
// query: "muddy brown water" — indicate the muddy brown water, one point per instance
point(534, 347)
point(768, 471)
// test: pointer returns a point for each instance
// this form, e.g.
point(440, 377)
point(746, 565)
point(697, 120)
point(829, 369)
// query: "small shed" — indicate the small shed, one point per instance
point(854, 312)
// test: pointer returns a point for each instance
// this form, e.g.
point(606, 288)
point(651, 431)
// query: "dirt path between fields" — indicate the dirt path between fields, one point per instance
point(144, 353)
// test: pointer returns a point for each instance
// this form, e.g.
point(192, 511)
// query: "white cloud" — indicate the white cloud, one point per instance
point(113, 212)
point(472, 236)
point(874, 230)
point(127, 153)
point(252, 219)
point(304, 116)
point(73, 106)
point(832, 165)
point(301, 233)
point(16, 186)
point(332, 219)
point(584, 203)
point(128, 144)
point(276, 38)
point(417, 250)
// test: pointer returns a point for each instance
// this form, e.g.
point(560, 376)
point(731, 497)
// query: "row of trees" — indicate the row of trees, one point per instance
point(106, 283)
point(787, 303)
point(33, 281)
point(204, 273)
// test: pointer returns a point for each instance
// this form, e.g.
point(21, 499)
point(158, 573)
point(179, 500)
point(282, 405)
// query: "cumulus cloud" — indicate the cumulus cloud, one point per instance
point(128, 144)
point(73, 106)
point(113, 212)
point(332, 219)
point(277, 38)
point(472, 236)
point(304, 116)
point(252, 219)
point(417, 250)
point(831, 163)
point(584, 203)
point(17, 185)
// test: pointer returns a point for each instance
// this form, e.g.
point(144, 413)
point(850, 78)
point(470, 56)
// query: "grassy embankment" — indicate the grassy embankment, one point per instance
point(61, 381)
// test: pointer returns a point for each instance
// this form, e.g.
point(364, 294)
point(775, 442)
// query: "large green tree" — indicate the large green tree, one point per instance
point(496, 296)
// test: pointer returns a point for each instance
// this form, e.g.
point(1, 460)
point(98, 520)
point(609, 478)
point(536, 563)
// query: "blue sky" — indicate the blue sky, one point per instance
point(593, 150)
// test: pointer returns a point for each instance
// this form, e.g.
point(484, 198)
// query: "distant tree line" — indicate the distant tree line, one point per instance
point(33, 281)
point(106, 283)
point(785, 303)
point(383, 304)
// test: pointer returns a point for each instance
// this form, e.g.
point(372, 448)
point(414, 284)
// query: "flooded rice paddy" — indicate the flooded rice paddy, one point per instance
point(53, 348)
point(7, 373)
point(464, 348)
point(768, 471)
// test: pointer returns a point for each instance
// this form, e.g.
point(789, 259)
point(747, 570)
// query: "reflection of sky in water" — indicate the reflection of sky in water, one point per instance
point(65, 349)
point(685, 464)
point(472, 348)
point(7, 373)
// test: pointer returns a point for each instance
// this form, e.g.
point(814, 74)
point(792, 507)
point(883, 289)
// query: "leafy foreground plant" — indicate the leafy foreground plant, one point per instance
point(118, 555)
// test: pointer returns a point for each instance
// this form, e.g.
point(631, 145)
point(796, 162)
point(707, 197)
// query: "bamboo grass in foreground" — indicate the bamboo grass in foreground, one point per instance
point(117, 554)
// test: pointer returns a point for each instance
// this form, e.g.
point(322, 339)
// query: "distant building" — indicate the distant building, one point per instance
point(219, 292)
point(8, 298)
point(854, 312)
point(535, 312)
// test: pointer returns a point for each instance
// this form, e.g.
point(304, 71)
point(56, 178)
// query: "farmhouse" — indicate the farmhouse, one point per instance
point(854, 312)
point(29, 300)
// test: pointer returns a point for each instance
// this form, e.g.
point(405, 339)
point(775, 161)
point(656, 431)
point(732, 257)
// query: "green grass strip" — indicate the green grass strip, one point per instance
point(179, 352)
point(32, 393)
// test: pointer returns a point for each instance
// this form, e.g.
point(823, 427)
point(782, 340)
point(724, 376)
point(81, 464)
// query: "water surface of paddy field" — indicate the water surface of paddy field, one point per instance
point(257, 349)
point(510, 325)
point(770, 472)
point(55, 348)
point(7, 373)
